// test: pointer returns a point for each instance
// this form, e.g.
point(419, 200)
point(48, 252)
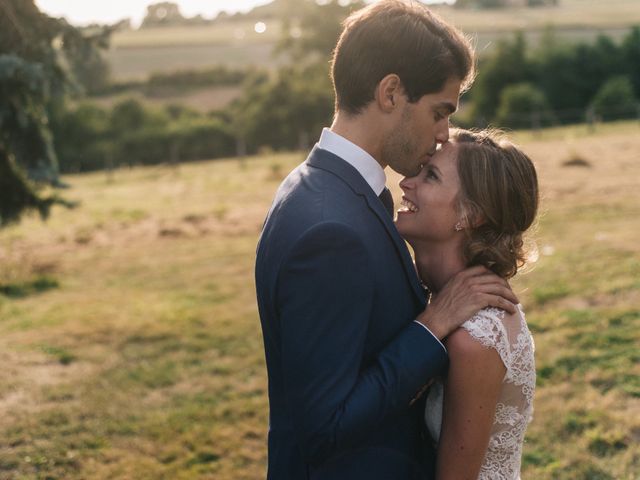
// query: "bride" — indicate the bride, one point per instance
point(470, 205)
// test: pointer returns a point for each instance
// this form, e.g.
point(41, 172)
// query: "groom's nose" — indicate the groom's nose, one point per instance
point(442, 133)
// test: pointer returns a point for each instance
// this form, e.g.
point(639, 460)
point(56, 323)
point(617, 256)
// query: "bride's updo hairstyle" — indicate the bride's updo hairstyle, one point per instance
point(498, 200)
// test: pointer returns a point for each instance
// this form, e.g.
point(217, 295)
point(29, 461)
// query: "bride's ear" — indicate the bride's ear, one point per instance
point(470, 219)
point(477, 220)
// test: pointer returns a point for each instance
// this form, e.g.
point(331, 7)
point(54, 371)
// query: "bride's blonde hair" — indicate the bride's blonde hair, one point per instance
point(498, 199)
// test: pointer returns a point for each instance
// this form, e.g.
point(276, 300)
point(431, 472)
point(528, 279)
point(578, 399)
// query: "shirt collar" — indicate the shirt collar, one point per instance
point(365, 164)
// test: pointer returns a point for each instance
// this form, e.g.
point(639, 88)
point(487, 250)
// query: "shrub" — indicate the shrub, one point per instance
point(522, 105)
point(615, 99)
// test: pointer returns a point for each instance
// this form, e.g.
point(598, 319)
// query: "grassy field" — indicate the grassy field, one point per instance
point(136, 53)
point(568, 14)
point(131, 345)
point(137, 63)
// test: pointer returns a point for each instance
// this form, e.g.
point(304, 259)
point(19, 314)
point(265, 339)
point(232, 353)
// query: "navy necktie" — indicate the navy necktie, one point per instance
point(387, 200)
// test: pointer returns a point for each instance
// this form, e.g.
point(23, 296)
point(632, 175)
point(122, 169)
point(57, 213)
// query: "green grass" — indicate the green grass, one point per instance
point(143, 358)
point(28, 287)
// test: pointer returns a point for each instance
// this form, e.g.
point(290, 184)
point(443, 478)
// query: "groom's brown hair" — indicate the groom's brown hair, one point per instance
point(407, 39)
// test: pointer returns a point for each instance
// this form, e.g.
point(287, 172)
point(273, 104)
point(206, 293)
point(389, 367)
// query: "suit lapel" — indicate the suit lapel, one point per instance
point(332, 163)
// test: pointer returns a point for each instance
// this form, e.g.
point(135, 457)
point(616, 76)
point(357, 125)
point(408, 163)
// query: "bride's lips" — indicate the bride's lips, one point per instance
point(408, 207)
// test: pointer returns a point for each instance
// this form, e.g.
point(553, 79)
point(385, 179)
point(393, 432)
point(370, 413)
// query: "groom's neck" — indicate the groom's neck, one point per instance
point(363, 131)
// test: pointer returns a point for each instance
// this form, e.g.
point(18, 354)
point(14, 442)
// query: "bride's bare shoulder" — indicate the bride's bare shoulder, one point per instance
point(461, 343)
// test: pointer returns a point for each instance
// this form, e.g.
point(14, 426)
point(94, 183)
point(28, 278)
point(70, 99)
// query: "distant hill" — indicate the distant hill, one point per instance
point(232, 41)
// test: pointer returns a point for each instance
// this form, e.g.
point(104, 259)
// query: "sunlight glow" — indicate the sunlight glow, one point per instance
point(83, 12)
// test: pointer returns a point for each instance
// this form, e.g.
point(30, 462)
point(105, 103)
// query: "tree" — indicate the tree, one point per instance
point(631, 57)
point(570, 75)
point(31, 78)
point(281, 112)
point(522, 105)
point(83, 51)
point(615, 99)
point(80, 138)
point(163, 14)
point(506, 66)
point(312, 29)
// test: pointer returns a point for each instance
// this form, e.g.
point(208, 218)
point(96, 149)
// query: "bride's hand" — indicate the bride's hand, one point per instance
point(463, 296)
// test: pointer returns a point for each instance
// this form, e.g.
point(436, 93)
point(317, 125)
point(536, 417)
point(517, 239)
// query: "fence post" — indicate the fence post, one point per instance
point(591, 119)
point(174, 154)
point(535, 123)
point(241, 152)
point(303, 141)
point(109, 166)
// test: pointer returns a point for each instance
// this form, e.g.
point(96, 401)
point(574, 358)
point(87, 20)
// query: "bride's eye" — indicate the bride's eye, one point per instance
point(431, 174)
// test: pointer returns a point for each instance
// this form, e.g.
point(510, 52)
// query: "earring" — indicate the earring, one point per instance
point(457, 227)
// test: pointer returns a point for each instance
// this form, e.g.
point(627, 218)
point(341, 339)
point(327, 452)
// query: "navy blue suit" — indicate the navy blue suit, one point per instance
point(337, 294)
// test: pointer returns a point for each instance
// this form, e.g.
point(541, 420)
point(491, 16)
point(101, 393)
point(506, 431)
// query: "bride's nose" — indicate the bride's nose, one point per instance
point(407, 183)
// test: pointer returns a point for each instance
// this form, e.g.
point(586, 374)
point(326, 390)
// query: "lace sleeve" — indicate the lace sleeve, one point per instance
point(488, 329)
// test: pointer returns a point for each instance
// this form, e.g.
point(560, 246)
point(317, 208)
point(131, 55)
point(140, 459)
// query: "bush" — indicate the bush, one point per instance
point(615, 99)
point(185, 140)
point(507, 65)
point(89, 137)
point(188, 79)
point(522, 105)
point(80, 135)
point(203, 138)
point(283, 111)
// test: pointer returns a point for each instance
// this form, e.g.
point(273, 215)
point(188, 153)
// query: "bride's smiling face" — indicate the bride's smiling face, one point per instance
point(429, 212)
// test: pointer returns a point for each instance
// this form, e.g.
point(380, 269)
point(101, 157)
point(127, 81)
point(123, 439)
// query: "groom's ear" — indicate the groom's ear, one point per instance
point(389, 92)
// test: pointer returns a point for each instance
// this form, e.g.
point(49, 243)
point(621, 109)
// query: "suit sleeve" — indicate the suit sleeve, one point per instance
point(325, 296)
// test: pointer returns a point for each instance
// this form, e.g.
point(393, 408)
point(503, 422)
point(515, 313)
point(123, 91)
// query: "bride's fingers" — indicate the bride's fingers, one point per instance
point(498, 290)
point(496, 285)
point(500, 302)
point(488, 277)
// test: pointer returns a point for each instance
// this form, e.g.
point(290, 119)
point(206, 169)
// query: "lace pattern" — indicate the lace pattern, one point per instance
point(511, 338)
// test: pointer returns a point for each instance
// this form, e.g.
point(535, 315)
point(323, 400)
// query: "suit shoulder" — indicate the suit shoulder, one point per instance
point(329, 234)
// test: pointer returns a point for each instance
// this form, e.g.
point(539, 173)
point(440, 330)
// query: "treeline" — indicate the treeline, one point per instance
point(557, 83)
point(89, 137)
point(167, 14)
point(518, 86)
point(277, 111)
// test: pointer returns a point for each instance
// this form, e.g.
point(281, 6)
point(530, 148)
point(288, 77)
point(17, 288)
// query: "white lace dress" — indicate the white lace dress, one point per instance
point(511, 338)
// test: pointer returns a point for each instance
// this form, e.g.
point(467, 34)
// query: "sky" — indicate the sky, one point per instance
point(83, 12)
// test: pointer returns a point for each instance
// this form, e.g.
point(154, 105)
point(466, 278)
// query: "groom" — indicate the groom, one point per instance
point(349, 345)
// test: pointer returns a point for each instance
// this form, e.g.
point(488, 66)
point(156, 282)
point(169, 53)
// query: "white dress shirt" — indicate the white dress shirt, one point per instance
point(367, 166)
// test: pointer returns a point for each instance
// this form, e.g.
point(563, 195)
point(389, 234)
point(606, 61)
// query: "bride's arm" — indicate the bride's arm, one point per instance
point(471, 393)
